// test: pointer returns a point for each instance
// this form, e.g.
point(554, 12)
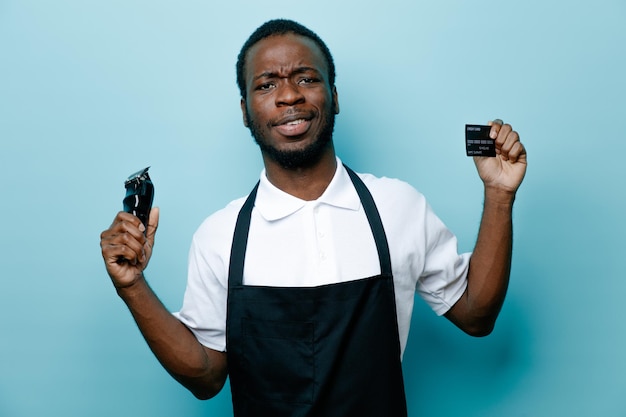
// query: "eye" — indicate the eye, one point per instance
point(307, 80)
point(265, 86)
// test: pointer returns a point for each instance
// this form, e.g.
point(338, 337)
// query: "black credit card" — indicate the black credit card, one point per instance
point(478, 142)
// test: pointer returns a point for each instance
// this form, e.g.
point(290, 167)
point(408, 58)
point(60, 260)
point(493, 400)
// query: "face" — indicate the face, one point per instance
point(290, 106)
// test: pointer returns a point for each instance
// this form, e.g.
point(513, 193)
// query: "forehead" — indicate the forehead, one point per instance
point(284, 52)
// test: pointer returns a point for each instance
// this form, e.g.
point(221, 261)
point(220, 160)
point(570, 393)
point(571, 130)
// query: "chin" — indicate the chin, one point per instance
point(298, 152)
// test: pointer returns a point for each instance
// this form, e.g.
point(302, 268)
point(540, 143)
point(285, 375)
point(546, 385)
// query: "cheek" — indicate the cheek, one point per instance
point(323, 99)
point(259, 111)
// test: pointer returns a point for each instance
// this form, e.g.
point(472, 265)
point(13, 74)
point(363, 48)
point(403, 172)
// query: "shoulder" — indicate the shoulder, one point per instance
point(393, 192)
point(404, 210)
point(219, 226)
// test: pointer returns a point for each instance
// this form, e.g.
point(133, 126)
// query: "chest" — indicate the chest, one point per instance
point(317, 245)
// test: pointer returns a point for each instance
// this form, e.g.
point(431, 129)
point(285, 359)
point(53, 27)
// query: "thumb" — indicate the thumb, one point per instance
point(153, 225)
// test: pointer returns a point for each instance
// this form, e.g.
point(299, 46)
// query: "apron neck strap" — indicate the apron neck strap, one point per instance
point(240, 240)
point(376, 224)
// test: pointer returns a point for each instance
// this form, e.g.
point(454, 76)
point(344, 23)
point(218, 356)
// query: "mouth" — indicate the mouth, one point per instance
point(293, 125)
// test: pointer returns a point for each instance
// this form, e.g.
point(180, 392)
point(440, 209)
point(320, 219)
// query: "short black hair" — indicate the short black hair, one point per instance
point(280, 27)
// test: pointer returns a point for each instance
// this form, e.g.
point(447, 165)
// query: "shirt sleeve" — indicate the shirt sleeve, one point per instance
point(424, 252)
point(204, 303)
point(444, 276)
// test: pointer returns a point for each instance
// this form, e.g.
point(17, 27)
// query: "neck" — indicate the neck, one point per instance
point(307, 183)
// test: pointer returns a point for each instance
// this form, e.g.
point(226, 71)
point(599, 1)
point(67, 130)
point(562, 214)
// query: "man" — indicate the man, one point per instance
point(302, 292)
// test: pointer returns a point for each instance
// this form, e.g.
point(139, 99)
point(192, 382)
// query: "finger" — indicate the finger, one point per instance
point(500, 139)
point(123, 217)
point(517, 152)
point(505, 139)
point(128, 223)
point(123, 240)
point(495, 127)
point(115, 253)
point(503, 133)
point(509, 141)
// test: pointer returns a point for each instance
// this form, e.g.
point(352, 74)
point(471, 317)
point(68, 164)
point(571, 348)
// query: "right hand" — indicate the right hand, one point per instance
point(125, 249)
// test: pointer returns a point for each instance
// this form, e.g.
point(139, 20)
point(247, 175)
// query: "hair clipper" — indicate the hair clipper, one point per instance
point(139, 195)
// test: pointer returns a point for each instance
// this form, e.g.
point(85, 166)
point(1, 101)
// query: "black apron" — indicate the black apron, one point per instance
point(326, 351)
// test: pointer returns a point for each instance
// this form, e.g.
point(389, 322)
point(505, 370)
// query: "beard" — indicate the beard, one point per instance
point(296, 158)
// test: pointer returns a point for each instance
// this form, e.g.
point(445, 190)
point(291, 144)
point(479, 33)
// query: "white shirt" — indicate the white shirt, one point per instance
point(297, 243)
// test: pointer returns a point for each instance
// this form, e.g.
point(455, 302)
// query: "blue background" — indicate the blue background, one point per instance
point(91, 91)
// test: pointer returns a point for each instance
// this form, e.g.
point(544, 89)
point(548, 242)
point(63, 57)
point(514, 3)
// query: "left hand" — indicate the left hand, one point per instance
point(506, 171)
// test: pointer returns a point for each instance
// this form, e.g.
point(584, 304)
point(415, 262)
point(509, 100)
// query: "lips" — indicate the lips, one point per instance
point(293, 125)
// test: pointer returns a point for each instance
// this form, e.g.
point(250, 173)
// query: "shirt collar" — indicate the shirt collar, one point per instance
point(274, 204)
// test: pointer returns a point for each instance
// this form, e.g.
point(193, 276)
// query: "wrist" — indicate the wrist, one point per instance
point(499, 196)
point(125, 290)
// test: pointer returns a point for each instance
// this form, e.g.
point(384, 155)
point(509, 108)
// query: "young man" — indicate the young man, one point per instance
point(302, 292)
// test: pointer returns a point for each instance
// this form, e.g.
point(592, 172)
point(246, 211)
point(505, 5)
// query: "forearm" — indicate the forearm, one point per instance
point(198, 368)
point(490, 266)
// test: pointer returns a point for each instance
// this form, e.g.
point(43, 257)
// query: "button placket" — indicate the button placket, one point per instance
point(325, 248)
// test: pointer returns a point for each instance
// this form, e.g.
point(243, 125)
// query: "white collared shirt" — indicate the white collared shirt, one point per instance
point(297, 243)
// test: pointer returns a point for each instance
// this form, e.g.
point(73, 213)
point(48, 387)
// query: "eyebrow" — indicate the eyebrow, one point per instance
point(299, 70)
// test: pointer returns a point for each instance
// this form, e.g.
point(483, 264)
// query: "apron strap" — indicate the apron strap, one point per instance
point(376, 224)
point(240, 240)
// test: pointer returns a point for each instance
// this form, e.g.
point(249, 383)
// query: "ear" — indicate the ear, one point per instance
point(244, 112)
point(335, 100)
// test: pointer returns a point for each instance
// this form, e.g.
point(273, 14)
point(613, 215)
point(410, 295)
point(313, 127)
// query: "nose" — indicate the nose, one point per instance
point(288, 94)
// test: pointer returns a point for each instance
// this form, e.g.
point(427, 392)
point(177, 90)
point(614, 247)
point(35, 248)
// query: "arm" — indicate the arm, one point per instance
point(488, 277)
point(126, 252)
